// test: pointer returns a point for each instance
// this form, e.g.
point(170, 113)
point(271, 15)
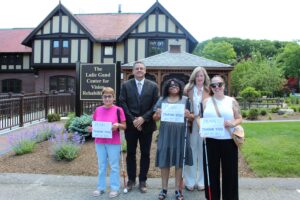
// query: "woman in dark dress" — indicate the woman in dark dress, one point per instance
point(171, 139)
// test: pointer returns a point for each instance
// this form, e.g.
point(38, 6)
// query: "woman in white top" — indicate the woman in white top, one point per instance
point(222, 152)
point(197, 89)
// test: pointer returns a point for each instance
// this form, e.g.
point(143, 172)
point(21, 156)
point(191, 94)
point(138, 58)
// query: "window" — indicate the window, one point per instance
point(108, 50)
point(62, 83)
point(156, 47)
point(11, 59)
point(65, 48)
point(11, 85)
point(55, 48)
point(61, 48)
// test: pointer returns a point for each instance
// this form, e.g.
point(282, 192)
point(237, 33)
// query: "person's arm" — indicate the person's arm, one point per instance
point(123, 102)
point(236, 114)
point(147, 116)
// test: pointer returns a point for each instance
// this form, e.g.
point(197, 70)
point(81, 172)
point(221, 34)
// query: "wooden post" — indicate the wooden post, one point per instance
point(118, 81)
point(78, 107)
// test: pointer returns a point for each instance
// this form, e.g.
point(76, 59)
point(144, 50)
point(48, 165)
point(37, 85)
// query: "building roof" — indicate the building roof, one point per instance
point(108, 26)
point(183, 60)
point(11, 39)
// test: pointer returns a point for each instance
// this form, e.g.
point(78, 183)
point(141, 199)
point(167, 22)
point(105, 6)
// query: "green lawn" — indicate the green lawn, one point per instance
point(273, 148)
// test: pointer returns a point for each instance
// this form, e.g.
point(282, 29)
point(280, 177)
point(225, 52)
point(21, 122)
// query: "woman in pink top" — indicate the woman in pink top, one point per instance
point(108, 149)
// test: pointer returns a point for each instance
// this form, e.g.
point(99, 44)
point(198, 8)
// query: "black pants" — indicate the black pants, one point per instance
point(221, 154)
point(132, 139)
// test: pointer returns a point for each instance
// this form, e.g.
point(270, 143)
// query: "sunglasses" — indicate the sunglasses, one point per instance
point(214, 85)
point(107, 96)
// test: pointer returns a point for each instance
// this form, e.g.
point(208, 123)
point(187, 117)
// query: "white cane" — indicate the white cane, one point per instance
point(122, 163)
point(184, 152)
point(207, 171)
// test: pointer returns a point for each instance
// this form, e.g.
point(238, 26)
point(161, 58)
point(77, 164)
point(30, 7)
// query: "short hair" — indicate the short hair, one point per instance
point(138, 62)
point(108, 90)
point(167, 85)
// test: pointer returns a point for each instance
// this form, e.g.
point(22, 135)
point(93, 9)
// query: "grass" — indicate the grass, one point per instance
point(273, 149)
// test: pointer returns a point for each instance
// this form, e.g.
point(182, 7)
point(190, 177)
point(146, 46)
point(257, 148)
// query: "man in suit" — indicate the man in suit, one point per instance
point(138, 97)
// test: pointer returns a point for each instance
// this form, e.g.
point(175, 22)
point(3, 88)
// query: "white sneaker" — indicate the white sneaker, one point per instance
point(113, 194)
point(97, 193)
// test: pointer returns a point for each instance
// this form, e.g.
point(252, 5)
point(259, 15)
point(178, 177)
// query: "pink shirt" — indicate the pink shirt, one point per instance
point(109, 115)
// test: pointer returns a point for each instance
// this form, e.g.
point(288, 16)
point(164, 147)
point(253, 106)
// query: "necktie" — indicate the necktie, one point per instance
point(139, 88)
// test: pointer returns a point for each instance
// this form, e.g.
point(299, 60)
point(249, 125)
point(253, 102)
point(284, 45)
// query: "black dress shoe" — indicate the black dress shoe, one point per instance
point(130, 185)
point(143, 187)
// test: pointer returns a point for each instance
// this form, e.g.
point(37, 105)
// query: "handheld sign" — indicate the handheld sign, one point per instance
point(172, 112)
point(101, 129)
point(212, 127)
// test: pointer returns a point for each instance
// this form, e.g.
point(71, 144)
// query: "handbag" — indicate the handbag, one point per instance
point(238, 134)
point(200, 115)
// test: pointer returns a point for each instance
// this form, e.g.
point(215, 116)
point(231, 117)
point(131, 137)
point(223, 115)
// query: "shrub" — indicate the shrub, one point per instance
point(65, 147)
point(46, 132)
point(22, 143)
point(269, 116)
point(250, 94)
point(24, 146)
point(294, 108)
point(53, 117)
point(71, 116)
point(244, 113)
point(253, 114)
point(80, 125)
point(263, 112)
point(275, 110)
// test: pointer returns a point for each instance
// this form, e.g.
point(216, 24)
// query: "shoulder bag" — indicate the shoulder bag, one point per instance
point(238, 134)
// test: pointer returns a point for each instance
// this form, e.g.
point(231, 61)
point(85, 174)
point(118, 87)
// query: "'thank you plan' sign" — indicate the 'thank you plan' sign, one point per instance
point(94, 77)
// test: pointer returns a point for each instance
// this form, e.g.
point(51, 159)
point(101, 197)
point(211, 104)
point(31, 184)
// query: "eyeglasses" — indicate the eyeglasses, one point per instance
point(174, 86)
point(107, 96)
point(214, 85)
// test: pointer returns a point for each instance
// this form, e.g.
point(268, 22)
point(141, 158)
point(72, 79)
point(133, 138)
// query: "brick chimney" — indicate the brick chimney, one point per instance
point(175, 48)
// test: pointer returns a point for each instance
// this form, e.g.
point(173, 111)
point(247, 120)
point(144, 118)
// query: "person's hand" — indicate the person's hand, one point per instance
point(187, 113)
point(90, 129)
point(138, 122)
point(229, 123)
point(115, 126)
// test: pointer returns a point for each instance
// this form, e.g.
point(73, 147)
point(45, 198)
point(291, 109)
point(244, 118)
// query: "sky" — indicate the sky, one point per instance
point(204, 19)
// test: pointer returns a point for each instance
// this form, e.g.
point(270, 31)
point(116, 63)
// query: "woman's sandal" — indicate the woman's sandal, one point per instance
point(178, 195)
point(162, 195)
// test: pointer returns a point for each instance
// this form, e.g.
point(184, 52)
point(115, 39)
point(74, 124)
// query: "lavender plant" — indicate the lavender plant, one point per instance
point(46, 132)
point(22, 143)
point(65, 146)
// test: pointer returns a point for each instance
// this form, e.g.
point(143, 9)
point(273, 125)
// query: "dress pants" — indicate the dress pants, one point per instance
point(132, 139)
point(221, 154)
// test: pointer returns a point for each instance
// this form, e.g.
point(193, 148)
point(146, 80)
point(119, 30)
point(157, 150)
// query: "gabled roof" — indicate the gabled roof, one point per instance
point(181, 60)
point(157, 5)
point(107, 27)
point(10, 40)
point(59, 8)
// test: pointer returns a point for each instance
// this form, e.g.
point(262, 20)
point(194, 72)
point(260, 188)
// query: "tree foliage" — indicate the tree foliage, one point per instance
point(289, 59)
point(259, 73)
point(219, 51)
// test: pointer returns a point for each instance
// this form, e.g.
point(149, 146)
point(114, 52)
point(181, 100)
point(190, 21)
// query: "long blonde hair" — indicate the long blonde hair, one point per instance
point(192, 80)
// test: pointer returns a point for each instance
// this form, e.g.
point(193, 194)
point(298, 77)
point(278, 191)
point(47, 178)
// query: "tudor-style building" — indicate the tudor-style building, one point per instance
point(44, 58)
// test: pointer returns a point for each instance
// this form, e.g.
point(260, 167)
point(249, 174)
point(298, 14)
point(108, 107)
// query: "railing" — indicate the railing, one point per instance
point(21, 109)
point(262, 103)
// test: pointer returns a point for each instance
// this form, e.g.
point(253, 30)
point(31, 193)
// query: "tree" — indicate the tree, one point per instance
point(219, 51)
point(249, 94)
point(289, 59)
point(259, 73)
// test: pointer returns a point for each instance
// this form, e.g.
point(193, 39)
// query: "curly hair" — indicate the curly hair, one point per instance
point(168, 83)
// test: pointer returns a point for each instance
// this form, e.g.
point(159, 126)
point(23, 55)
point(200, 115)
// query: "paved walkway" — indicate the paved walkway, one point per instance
point(50, 187)
point(15, 186)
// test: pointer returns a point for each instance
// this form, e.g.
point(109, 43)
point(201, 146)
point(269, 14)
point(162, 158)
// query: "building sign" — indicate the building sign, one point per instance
point(94, 77)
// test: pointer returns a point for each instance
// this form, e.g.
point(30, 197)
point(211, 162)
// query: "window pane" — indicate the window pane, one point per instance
point(108, 50)
point(156, 47)
point(55, 49)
